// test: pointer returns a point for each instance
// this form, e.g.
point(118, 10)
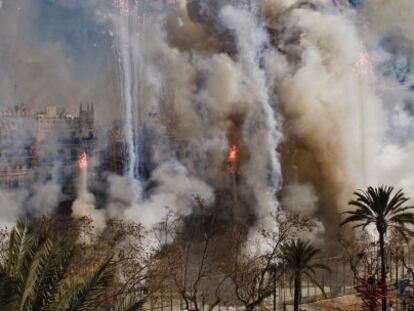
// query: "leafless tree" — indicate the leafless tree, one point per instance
point(398, 248)
point(361, 254)
point(255, 271)
point(190, 261)
point(136, 267)
point(137, 264)
point(4, 241)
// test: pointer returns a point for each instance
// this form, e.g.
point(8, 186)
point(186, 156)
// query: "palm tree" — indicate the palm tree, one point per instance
point(381, 207)
point(34, 275)
point(297, 256)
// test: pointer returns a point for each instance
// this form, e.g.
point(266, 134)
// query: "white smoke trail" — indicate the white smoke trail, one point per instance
point(129, 27)
point(175, 191)
point(334, 119)
point(301, 68)
point(84, 205)
point(261, 129)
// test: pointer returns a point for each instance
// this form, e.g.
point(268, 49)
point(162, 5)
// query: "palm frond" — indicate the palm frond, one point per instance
point(20, 249)
point(86, 296)
point(36, 272)
point(298, 256)
point(128, 303)
point(9, 300)
point(315, 282)
point(381, 207)
point(321, 267)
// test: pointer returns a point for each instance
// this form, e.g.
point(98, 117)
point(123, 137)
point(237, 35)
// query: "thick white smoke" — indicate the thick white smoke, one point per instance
point(317, 98)
point(200, 100)
point(227, 84)
point(39, 199)
point(329, 102)
point(307, 69)
point(84, 205)
point(39, 70)
point(260, 132)
point(345, 96)
point(390, 39)
point(389, 19)
point(175, 191)
point(12, 203)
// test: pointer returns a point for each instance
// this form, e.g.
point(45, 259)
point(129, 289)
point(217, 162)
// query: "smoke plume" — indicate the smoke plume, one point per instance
point(315, 97)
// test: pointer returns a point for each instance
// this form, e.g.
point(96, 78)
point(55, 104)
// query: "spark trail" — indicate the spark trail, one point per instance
point(129, 27)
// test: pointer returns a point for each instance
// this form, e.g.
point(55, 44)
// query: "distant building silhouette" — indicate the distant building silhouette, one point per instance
point(36, 145)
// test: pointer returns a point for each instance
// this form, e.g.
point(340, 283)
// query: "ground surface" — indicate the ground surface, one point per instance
point(344, 303)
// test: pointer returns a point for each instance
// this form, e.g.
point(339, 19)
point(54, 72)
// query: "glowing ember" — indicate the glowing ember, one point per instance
point(83, 161)
point(232, 159)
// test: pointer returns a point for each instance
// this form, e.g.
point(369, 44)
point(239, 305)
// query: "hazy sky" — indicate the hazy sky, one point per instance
point(57, 52)
point(73, 24)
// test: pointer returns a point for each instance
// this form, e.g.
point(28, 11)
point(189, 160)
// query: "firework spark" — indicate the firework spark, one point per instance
point(232, 159)
point(83, 161)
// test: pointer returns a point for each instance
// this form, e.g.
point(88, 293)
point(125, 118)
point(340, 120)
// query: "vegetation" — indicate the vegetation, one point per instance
point(204, 260)
point(192, 263)
point(39, 272)
point(385, 210)
point(298, 258)
point(256, 271)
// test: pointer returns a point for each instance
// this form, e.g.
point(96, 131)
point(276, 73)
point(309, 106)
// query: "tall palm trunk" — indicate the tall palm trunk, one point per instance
point(383, 271)
point(297, 294)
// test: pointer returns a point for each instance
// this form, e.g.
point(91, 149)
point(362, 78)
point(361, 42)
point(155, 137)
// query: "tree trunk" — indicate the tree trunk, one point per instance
point(383, 270)
point(252, 306)
point(412, 277)
point(297, 294)
point(274, 291)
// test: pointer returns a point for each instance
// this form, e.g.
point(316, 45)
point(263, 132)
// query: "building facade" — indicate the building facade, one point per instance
point(43, 145)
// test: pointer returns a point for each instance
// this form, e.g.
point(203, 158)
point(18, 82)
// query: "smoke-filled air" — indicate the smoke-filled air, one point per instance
point(177, 128)
point(313, 98)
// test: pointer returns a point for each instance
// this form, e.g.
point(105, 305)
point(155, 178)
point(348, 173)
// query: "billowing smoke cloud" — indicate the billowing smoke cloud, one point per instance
point(223, 72)
point(301, 199)
point(203, 96)
point(330, 108)
point(345, 97)
point(316, 97)
point(84, 205)
point(49, 56)
point(390, 38)
point(175, 190)
point(260, 132)
point(37, 200)
point(390, 19)
point(12, 203)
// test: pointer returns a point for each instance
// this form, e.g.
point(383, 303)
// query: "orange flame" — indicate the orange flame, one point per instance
point(232, 159)
point(83, 161)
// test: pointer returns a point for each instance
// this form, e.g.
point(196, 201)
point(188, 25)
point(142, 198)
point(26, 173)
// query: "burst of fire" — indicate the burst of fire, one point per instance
point(83, 161)
point(232, 159)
